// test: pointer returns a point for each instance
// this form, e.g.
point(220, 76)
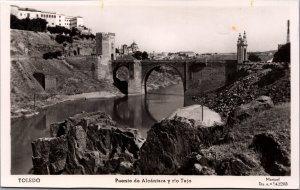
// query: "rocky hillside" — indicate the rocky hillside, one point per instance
point(27, 49)
point(35, 44)
point(254, 80)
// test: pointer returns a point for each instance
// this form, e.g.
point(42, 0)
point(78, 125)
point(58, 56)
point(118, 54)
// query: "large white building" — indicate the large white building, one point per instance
point(52, 18)
point(76, 22)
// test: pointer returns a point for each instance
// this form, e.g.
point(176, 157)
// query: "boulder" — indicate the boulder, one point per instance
point(194, 114)
point(92, 143)
point(171, 141)
point(49, 155)
point(274, 152)
point(245, 111)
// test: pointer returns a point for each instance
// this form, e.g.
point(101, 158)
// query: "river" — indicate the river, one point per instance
point(139, 112)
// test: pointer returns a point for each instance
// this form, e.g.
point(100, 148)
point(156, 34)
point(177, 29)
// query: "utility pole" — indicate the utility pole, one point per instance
point(202, 96)
point(34, 100)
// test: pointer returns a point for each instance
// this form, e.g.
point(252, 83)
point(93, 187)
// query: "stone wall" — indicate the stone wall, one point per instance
point(135, 78)
point(50, 83)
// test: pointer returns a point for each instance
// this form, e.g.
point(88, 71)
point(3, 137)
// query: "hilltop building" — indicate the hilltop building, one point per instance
point(53, 18)
point(188, 54)
point(76, 22)
point(125, 49)
point(242, 49)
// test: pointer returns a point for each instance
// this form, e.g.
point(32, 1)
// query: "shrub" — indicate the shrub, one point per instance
point(52, 55)
point(61, 39)
point(87, 36)
point(58, 30)
point(253, 57)
point(283, 54)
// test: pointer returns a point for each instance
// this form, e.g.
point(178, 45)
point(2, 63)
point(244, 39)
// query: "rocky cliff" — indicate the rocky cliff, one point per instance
point(88, 143)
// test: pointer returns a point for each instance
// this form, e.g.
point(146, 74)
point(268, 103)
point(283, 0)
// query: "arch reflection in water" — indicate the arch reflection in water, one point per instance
point(163, 102)
point(142, 112)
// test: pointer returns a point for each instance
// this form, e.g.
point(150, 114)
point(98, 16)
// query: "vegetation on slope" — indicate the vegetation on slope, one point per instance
point(262, 139)
point(37, 25)
point(255, 80)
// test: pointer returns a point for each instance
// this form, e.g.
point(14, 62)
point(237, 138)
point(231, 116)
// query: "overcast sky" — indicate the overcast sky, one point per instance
point(182, 28)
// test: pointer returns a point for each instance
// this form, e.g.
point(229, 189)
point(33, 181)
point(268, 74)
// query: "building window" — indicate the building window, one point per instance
point(28, 14)
point(59, 24)
point(59, 16)
point(52, 23)
point(20, 14)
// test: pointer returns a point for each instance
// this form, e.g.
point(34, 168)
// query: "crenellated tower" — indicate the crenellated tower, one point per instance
point(242, 49)
point(105, 54)
point(105, 45)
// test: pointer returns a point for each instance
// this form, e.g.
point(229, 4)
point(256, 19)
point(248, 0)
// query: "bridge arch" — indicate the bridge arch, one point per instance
point(149, 71)
point(122, 85)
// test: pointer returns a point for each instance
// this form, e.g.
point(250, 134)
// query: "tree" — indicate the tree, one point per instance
point(138, 55)
point(145, 55)
point(74, 32)
point(58, 30)
point(253, 57)
point(283, 54)
point(37, 25)
point(61, 39)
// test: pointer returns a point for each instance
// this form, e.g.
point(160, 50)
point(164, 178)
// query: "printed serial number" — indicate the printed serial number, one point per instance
point(280, 183)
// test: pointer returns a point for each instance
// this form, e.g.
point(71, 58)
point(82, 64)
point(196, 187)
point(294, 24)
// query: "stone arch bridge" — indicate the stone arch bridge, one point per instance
point(105, 66)
point(139, 72)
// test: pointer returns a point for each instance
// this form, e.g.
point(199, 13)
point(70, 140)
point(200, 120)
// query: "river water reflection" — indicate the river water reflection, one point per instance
point(139, 112)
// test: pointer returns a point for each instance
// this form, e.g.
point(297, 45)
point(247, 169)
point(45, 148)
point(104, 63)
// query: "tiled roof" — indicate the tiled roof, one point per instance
point(29, 9)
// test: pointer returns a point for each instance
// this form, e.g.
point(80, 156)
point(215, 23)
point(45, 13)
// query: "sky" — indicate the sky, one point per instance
point(168, 28)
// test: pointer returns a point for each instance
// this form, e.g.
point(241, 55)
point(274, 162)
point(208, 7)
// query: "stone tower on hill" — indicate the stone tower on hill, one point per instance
point(105, 45)
point(105, 54)
point(242, 48)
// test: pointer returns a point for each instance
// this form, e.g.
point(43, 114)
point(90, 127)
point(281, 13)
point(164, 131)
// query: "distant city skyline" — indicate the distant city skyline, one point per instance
point(182, 28)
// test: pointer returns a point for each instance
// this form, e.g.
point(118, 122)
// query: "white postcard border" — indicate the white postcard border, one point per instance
point(109, 181)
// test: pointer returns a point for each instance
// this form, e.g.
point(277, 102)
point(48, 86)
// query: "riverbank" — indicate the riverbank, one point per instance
point(32, 108)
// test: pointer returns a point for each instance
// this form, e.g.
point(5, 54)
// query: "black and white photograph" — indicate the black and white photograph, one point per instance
point(150, 93)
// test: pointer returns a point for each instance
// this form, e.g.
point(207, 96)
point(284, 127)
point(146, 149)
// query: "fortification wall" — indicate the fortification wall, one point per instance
point(208, 78)
point(86, 64)
point(50, 83)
